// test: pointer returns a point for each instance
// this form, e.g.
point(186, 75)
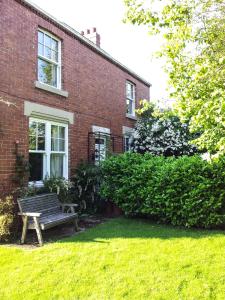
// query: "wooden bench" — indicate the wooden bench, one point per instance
point(44, 211)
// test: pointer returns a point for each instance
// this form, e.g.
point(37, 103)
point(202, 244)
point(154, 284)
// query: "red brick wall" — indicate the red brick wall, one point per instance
point(96, 86)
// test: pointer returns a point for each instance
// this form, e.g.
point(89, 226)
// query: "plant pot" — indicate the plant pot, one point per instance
point(112, 210)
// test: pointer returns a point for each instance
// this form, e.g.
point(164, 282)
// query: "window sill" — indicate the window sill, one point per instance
point(36, 184)
point(131, 117)
point(50, 89)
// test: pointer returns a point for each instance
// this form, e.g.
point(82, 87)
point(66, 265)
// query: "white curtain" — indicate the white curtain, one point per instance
point(56, 165)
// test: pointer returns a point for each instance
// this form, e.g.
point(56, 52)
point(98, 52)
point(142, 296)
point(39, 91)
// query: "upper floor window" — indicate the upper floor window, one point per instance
point(130, 98)
point(49, 59)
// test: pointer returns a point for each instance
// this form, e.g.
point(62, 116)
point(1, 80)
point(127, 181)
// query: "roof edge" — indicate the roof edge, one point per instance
point(82, 39)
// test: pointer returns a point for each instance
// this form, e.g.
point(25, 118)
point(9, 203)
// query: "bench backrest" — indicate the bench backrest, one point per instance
point(39, 203)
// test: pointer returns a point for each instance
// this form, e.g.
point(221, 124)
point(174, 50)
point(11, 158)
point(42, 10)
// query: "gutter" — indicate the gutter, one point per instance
point(81, 38)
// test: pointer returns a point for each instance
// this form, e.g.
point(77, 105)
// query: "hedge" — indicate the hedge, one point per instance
point(185, 191)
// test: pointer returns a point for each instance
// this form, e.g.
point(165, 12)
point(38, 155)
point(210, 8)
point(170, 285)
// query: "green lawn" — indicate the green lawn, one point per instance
point(120, 259)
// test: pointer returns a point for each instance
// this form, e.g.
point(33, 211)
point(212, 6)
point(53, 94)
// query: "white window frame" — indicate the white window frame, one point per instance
point(47, 152)
point(58, 64)
point(130, 98)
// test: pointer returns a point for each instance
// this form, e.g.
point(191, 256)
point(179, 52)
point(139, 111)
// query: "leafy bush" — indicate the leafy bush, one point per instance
point(6, 225)
point(161, 133)
point(185, 191)
point(30, 191)
point(60, 186)
point(7, 218)
point(86, 182)
point(82, 188)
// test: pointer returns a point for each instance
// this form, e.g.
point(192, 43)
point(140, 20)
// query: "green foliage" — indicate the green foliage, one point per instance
point(30, 191)
point(161, 133)
point(186, 191)
point(21, 170)
point(193, 35)
point(82, 188)
point(60, 186)
point(7, 218)
point(86, 182)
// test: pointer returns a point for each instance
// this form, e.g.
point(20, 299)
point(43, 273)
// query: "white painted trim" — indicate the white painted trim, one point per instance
point(100, 129)
point(51, 89)
point(47, 113)
point(131, 117)
point(128, 130)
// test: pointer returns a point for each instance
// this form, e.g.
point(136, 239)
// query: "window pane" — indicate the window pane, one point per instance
point(61, 145)
point(54, 45)
point(40, 37)
point(36, 166)
point(32, 128)
point(55, 56)
point(40, 49)
point(55, 144)
point(32, 142)
point(45, 72)
point(41, 129)
point(41, 143)
point(54, 131)
point(129, 107)
point(48, 41)
point(54, 75)
point(100, 149)
point(126, 143)
point(48, 52)
point(56, 165)
point(132, 91)
point(61, 132)
point(128, 90)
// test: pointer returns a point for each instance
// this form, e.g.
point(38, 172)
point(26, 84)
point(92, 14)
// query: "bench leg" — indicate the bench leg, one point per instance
point(76, 225)
point(24, 232)
point(38, 230)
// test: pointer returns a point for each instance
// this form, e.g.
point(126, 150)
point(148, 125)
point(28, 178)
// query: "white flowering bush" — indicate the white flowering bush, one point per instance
point(161, 133)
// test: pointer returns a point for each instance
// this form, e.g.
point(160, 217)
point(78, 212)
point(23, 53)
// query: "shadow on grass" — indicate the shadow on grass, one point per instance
point(138, 228)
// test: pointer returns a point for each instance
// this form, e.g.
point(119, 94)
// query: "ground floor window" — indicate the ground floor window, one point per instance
point(48, 149)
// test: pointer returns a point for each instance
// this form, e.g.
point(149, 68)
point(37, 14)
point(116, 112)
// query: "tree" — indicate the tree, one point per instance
point(161, 133)
point(193, 32)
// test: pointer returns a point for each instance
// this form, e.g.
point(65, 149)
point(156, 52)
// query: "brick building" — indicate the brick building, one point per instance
point(70, 100)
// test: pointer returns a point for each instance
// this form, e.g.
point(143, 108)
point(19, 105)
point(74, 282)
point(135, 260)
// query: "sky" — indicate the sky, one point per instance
point(129, 44)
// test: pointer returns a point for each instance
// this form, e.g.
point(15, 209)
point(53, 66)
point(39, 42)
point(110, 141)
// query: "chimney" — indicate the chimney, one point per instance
point(92, 35)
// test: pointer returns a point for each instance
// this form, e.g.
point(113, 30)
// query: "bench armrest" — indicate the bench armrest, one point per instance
point(29, 214)
point(71, 207)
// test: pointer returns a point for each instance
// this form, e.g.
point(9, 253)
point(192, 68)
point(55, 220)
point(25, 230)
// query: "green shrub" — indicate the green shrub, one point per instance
point(7, 218)
point(60, 186)
point(6, 225)
point(82, 188)
point(187, 191)
point(86, 182)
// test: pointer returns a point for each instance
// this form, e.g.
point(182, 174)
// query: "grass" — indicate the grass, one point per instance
point(120, 259)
